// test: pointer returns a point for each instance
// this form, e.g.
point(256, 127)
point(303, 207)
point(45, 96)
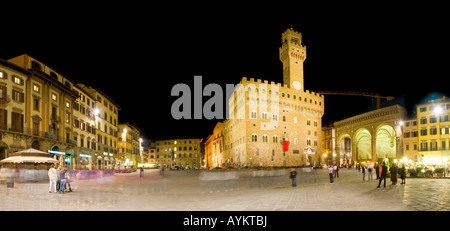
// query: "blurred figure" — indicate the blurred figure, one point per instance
point(363, 169)
point(330, 172)
point(369, 171)
point(293, 176)
point(161, 171)
point(394, 172)
point(53, 177)
point(141, 172)
point(402, 172)
point(62, 178)
point(377, 170)
point(10, 175)
point(336, 171)
point(383, 174)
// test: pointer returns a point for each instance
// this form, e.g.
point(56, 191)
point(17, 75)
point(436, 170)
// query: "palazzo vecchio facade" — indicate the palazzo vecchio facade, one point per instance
point(272, 124)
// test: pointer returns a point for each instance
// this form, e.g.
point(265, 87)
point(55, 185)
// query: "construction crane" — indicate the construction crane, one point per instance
point(377, 96)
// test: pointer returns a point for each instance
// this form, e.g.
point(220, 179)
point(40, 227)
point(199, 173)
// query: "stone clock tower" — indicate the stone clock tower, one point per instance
point(292, 55)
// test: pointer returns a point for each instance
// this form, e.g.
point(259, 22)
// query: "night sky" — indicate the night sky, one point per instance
point(137, 58)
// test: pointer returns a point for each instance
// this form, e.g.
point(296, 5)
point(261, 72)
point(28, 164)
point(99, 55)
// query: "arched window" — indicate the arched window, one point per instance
point(284, 118)
point(275, 139)
point(254, 138)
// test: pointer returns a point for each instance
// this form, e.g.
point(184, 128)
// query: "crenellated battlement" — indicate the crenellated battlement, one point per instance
point(282, 87)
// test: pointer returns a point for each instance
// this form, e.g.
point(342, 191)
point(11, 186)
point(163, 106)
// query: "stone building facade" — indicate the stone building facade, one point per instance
point(42, 109)
point(177, 153)
point(273, 124)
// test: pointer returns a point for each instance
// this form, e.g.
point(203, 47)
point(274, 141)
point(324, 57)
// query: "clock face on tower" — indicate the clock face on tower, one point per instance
point(297, 85)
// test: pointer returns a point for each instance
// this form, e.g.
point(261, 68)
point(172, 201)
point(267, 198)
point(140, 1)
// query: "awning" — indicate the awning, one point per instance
point(29, 159)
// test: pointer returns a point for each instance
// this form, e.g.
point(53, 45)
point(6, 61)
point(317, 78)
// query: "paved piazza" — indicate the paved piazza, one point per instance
point(244, 190)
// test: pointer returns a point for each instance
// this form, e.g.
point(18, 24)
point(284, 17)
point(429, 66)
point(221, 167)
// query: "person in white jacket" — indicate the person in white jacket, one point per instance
point(53, 177)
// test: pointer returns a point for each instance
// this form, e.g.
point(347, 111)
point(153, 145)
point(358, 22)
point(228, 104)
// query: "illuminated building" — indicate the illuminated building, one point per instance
point(370, 136)
point(84, 130)
point(433, 127)
point(37, 108)
point(181, 153)
point(106, 113)
point(129, 145)
point(410, 139)
point(47, 111)
point(214, 147)
point(288, 131)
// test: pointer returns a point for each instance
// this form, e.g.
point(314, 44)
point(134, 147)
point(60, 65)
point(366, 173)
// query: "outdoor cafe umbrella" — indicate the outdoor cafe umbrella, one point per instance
point(29, 156)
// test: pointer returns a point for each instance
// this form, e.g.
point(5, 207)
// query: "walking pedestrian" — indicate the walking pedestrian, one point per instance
point(330, 172)
point(363, 170)
point(293, 176)
point(383, 174)
point(68, 180)
point(141, 172)
point(369, 171)
point(62, 178)
point(53, 177)
point(394, 172)
point(402, 172)
point(336, 171)
point(58, 181)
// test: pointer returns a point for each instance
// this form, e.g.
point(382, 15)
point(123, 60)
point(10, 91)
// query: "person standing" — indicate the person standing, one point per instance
point(141, 172)
point(369, 172)
point(402, 172)
point(293, 176)
point(330, 172)
point(336, 171)
point(377, 170)
point(383, 174)
point(394, 172)
point(62, 178)
point(53, 177)
point(363, 170)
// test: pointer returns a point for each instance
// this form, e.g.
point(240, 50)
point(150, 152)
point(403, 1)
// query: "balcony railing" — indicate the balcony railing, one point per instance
point(31, 132)
point(5, 98)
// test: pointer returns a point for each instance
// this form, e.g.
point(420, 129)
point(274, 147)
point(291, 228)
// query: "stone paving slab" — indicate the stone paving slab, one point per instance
point(191, 190)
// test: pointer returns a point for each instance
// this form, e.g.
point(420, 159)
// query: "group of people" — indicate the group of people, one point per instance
point(380, 170)
point(394, 171)
point(59, 179)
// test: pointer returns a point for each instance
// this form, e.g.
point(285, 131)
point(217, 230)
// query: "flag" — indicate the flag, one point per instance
point(285, 143)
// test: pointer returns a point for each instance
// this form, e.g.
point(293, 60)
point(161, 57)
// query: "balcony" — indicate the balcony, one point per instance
point(50, 136)
point(5, 99)
point(73, 142)
point(55, 118)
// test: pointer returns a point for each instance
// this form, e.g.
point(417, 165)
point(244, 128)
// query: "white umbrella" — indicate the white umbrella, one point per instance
point(30, 152)
point(29, 156)
point(29, 159)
